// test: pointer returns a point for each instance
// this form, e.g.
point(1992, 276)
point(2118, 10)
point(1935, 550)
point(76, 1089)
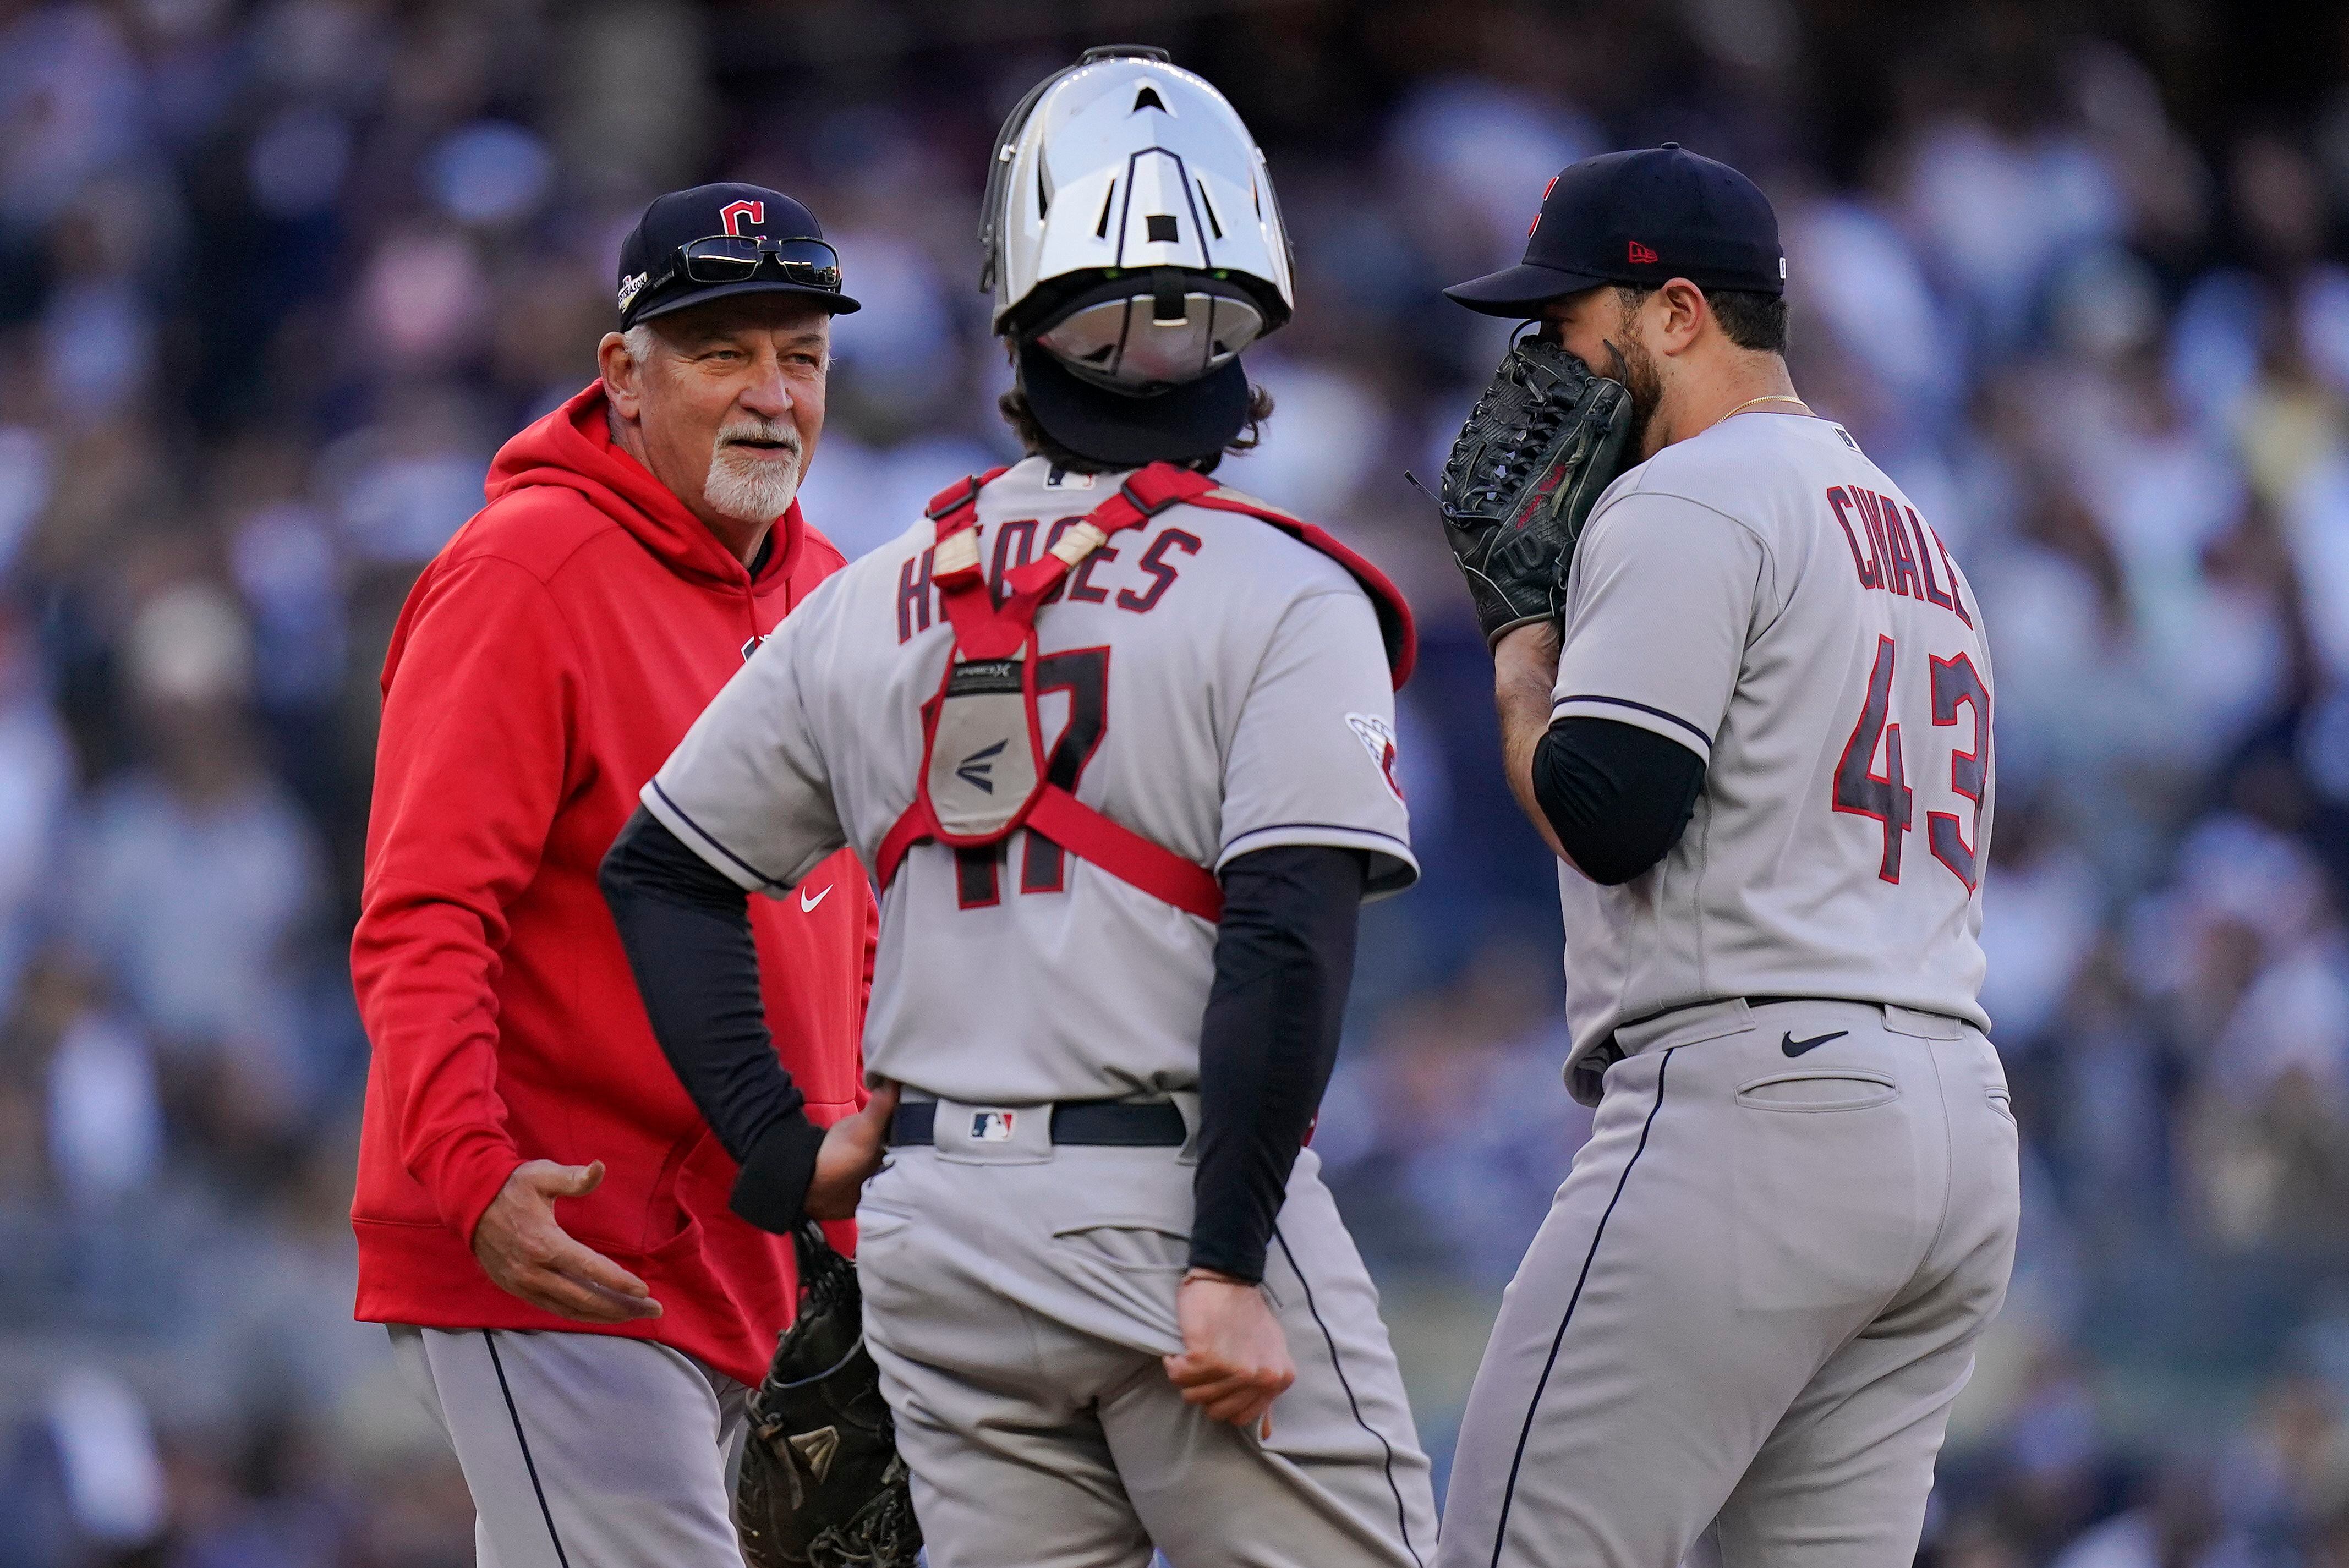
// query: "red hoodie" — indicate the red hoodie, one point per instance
point(545, 664)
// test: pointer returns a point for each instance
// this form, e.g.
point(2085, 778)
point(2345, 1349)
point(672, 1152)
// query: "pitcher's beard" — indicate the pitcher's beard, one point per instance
point(750, 491)
point(1636, 369)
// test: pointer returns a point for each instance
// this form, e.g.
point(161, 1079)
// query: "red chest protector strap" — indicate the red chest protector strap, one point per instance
point(1396, 628)
point(994, 659)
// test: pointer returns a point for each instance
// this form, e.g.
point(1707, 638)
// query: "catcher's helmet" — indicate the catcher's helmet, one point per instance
point(1133, 248)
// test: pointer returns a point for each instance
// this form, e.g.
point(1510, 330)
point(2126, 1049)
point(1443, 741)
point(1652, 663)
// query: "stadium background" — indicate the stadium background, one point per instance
point(276, 280)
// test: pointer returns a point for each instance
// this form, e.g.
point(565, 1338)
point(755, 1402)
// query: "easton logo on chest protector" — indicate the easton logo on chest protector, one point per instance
point(982, 769)
point(983, 772)
point(978, 767)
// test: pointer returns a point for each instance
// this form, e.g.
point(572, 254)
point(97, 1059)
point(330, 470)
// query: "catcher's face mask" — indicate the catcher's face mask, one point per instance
point(1129, 225)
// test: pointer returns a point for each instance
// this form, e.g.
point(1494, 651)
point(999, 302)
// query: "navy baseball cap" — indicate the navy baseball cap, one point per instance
point(1644, 217)
point(714, 241)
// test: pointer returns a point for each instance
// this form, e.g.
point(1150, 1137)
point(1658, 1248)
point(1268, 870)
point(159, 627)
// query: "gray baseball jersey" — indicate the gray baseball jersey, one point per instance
point(1208, 682)
point(1760, 1289)
point(1764, 595)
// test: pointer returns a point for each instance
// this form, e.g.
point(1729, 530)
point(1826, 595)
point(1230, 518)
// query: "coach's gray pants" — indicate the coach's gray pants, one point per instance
point(584, 1451)
point(1018, 1297)
point(1753, 1303)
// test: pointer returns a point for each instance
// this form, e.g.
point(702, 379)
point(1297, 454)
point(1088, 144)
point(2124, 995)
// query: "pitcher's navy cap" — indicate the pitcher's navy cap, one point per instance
point(1644, 217)
point(714, 241)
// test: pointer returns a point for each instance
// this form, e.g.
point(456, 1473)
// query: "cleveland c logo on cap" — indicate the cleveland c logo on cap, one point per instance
point(754, 210)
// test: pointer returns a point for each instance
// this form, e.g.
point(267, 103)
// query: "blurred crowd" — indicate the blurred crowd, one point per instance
point(276, 280)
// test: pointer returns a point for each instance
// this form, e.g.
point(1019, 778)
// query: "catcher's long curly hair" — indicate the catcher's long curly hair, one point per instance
point(1038, 442)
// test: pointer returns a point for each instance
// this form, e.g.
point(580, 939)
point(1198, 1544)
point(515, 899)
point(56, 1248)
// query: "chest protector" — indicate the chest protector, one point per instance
point(983, 763)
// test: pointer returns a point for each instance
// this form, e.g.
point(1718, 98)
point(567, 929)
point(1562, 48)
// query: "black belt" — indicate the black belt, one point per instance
point(1097, 1123)
point(1749, 1001)
point(1607, 1052)
point(1594, 1062)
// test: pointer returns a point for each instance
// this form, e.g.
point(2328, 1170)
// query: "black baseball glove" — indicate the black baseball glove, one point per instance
point(822, 1485)
point(1544, 438)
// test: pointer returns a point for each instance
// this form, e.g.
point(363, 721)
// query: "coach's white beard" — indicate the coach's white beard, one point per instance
point(752, 490)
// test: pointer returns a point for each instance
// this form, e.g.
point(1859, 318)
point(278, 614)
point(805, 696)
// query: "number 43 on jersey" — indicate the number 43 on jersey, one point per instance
point(1860, 789)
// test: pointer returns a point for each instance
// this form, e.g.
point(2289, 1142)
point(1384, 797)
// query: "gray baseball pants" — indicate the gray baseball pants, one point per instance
point(1754, 1301)
point(1019, 1296)
point(584, 1451)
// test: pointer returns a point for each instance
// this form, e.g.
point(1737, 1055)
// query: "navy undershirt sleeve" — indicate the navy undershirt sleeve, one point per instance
point(1618, 796)
point(1284, 958)
point(686, 929)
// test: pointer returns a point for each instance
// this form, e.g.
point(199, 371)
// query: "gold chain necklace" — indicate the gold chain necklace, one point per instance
point(1773, 398)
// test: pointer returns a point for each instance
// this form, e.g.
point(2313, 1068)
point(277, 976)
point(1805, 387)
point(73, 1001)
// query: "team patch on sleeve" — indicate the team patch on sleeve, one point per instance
point(1378, 739)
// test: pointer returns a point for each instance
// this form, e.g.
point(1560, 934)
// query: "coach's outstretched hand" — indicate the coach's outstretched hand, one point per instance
point(527, 1254)
point(1235, 1360)
point(851, 1153)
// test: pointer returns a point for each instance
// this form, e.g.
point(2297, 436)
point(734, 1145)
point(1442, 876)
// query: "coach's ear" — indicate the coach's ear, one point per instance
point(623, 375)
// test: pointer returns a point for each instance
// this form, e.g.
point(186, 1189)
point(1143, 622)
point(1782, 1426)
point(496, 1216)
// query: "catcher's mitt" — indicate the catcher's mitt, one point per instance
point(1544, 438)
point(822, 1485)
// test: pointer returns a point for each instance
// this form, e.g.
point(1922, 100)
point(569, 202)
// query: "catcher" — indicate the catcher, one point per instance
point(1722, 698)
point(1118, 745)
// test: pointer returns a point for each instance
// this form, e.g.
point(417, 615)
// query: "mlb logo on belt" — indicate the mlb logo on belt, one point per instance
point(991, 1126)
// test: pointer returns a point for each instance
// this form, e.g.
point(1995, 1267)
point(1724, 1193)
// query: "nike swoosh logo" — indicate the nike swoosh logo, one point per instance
point(1795, 1047)
point(807, 904)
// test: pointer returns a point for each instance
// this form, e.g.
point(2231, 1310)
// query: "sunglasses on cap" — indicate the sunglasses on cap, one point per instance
point(737, 258)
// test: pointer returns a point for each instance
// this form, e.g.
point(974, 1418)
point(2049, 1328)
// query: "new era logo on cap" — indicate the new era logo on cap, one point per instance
point(1640, 256)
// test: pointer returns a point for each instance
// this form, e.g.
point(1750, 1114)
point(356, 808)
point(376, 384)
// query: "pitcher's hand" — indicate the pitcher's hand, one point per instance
point(527, 1254)
point(852, 1153)
point(1235, 1360)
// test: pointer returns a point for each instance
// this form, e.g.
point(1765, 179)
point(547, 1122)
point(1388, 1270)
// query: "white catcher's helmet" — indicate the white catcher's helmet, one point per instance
point(1129, 226)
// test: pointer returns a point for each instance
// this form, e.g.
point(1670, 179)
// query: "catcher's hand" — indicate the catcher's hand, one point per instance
point(851, 1153)
point(822, 1485)
point(1234, 1361)
point(1542, 442)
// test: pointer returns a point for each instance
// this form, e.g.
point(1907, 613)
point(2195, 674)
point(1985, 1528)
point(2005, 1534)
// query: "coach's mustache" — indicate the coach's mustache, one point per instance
point(764, 434)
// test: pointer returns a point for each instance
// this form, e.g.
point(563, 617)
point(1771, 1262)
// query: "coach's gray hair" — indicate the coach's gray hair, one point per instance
point(638, 341)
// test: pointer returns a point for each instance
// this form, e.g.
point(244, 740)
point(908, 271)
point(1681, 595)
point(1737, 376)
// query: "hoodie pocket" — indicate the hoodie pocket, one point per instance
point(695, 1178)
